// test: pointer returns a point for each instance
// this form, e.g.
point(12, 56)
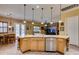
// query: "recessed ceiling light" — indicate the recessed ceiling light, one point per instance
point(37, 6)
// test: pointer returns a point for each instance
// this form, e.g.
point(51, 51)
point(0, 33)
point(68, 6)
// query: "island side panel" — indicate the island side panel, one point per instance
point(24, 44)
point(61, 45)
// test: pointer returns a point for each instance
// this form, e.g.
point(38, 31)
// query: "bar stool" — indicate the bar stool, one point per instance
point(6, 39)
point(11, 38)
point(14, 38)
point(2, 40)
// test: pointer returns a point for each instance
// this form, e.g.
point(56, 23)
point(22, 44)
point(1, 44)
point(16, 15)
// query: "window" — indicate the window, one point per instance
point(17, 29)
point(36, 29)
point(3, 27)
point(20, 29)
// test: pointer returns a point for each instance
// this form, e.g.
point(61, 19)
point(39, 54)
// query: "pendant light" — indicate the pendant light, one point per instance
point(45, 24)
point(42, 16)
point(10, 14)
point(32, 15)
point(51, 16)
point(24, 13)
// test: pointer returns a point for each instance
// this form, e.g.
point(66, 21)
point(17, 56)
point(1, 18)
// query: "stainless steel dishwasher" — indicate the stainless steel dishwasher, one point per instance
point(50, 44)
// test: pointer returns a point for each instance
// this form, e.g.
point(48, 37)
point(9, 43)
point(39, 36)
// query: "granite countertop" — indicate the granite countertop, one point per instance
point(45, 36)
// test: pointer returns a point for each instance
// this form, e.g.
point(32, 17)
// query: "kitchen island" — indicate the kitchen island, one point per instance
point(45, 43)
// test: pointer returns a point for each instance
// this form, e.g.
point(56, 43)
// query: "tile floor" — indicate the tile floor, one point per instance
point(11, 49)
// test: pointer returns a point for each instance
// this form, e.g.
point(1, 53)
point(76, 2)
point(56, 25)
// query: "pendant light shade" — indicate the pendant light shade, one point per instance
point(10, 26)
point(51, 16)
point(42, 15)
point(24, 13)
point(32, 22)
point(45, 24)
point(60, 21)
point(51, 22)
point(24, 21)
point(42, 22)
point(32, 15)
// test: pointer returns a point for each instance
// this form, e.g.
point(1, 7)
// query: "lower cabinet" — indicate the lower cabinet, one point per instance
point(41, 44)
point(24, 45)
point(61, 45)
point(37, 44)
point(33, 44)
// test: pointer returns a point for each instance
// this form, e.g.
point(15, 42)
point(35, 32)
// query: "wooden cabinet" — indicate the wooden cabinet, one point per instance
point(61, 45)
point(33, 44)
point(37, 44)
point(24, 45)
point(41, 44)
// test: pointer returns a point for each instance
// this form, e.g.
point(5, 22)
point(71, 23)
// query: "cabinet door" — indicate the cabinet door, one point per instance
point(41, 44)
point(24, 45)
point(33, 44)
point(61, 45)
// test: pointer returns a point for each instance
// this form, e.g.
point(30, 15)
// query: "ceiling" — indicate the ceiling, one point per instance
point(17, 11)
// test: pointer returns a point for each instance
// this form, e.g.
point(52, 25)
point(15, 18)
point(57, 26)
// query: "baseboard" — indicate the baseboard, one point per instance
point(74, 45)
point(60, 53)
point(25, 51)
point(42, 51)
point(51, 51)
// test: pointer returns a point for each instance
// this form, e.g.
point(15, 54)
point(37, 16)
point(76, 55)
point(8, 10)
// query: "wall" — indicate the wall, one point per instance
point(12, 21)
point(72, 12)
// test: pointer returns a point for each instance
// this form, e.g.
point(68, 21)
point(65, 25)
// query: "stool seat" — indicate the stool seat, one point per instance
point(2, 40)
point(11, 38)
point(6, 39)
